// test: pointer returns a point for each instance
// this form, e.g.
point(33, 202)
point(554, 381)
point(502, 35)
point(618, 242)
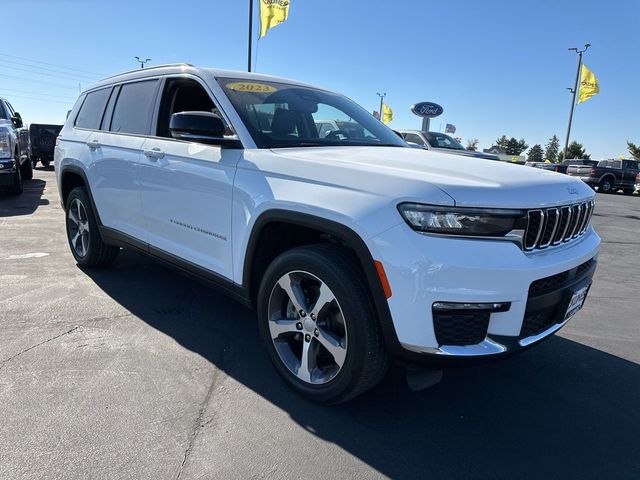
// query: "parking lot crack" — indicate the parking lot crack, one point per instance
point(5, 361)
point(199, 421)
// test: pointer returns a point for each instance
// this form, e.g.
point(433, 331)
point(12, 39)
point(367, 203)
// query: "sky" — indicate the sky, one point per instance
point(496, 67)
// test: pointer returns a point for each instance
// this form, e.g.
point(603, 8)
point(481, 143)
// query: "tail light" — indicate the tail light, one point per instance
point(556, 168)
point(593, 173)
point(638, 178)
point(57, 140)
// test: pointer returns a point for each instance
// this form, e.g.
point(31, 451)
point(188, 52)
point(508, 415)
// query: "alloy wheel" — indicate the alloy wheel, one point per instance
point(307, 327)
point(78, 227)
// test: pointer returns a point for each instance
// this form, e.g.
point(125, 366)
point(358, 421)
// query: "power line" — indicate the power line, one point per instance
point(37, 93)
point(101, 75)
point(61, 76)
point(68, 74)
point(44, 100)
point(13, 77)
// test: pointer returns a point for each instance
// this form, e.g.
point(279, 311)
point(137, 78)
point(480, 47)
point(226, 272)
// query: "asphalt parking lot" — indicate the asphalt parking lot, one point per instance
point(139, 372)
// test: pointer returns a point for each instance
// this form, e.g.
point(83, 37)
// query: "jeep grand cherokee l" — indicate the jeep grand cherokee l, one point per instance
point(352, 250)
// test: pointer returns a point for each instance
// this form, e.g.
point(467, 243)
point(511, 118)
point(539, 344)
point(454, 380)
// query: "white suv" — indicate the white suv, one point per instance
point(352, 250)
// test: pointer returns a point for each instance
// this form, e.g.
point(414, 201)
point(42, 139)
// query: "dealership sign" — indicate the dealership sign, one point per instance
point(427, 109)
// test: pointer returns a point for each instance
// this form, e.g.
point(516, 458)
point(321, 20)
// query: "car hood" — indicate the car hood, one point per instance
point(406, 172)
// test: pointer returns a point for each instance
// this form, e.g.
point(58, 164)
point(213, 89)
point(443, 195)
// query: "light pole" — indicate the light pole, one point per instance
point(143, 62)
point(250, 35)
point(574, 91)
point(381, 95)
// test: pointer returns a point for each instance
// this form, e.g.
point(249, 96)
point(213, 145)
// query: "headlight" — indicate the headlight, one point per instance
point(462, 221)
point(5, 148)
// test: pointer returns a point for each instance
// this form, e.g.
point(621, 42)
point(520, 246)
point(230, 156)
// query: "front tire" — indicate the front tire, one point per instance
point(318, 325)
point(45, 162)
point(17, 188)
point(84, 238)
point(27, 170)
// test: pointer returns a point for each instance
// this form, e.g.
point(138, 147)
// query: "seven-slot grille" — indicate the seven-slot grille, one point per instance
point(556, 225)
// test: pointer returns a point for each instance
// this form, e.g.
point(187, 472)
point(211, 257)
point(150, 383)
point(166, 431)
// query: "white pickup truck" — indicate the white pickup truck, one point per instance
point(353, 250)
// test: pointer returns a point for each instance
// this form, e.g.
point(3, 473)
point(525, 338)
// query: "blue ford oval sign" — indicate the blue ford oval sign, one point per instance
point(427, 109)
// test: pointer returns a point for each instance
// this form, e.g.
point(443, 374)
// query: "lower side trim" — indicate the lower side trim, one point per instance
point(226, 286)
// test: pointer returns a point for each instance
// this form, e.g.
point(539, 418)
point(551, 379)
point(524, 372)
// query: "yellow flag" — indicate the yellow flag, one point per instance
point(589, 85)
point(272, 13)
point(387, 113)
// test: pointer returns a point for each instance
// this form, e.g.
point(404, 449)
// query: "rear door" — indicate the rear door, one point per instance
point(187, 187)
point(117, 156)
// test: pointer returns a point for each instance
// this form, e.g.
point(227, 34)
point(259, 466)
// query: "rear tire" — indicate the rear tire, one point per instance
point(27, 170)
point(83, 235)
point(606, 185)
point(345, 353)
point(45, 163)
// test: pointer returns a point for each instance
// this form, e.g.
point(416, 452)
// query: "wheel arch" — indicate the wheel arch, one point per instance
point(72, 176)
point(331, 231)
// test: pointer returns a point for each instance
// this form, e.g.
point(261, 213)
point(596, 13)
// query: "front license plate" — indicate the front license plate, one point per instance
point(576, 302)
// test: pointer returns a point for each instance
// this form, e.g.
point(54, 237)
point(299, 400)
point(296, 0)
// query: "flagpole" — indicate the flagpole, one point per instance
point(250, 35)
point(573, 97)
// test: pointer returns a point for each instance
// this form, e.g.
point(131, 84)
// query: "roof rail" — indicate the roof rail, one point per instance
point(149, 68)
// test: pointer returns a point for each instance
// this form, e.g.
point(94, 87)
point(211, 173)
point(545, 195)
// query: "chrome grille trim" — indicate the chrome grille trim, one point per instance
point(556, 225)
point(550, 230)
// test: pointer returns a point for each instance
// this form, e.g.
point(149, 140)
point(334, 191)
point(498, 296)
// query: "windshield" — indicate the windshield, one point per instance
point(440, 140)
point(279, 115)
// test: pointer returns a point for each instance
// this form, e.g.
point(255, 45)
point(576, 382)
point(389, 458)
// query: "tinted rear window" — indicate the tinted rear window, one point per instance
point(92, 109)
point(133, 110)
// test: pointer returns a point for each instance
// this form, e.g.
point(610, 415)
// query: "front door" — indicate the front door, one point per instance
point(187, 187)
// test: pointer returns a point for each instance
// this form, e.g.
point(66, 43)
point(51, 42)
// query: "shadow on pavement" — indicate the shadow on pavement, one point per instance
point(560, 410)
point(27, 202)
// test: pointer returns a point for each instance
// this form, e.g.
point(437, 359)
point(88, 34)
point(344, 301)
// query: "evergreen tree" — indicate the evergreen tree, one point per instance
point(552, 149)
point(575, 150)
point(536, 154)
point(634, 150)
point(512, 146)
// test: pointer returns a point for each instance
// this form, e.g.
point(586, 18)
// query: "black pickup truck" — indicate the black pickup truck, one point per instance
point(43, 142)
point(609, 175)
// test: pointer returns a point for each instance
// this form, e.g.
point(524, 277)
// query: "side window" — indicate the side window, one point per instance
point(631, 165)
point(616, 164)
point(134, 108)
point(184, 95)
point(90, 114)
point(413, 138)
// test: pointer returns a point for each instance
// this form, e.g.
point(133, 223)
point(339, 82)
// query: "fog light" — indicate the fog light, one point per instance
point(476, 307)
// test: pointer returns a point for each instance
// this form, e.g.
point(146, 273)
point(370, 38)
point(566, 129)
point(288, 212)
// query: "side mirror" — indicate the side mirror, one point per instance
point(17, 120)
point(201, 127)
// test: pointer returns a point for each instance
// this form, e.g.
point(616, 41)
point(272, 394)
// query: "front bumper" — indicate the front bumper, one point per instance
point(424, 269)
point(7, 169)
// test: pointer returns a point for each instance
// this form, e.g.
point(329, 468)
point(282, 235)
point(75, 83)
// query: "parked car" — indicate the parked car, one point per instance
point(441, 142)
point(562, 167)
point(352, 250)
point(43, 140)
point(553, 167)
point(609, 175)
point(15, 164)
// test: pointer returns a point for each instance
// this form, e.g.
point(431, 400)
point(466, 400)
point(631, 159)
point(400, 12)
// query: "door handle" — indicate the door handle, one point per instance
point(154, 154)
point(93, 144)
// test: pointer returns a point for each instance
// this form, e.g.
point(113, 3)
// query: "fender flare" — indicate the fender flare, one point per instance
point(351, 239)
point(74, 169)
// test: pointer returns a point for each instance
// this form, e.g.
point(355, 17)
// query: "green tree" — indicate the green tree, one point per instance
point(512, 146)
point(575, 150)
point(552, 149)
point(535, 154)
point(472, 144)
point(634, 150)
